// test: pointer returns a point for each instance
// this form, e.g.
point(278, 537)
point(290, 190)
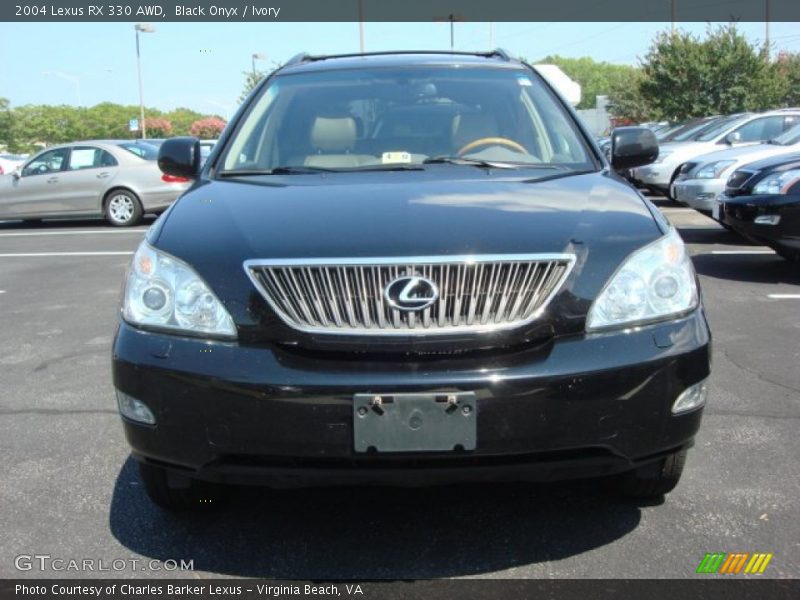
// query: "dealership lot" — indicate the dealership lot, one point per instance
point(69, 489)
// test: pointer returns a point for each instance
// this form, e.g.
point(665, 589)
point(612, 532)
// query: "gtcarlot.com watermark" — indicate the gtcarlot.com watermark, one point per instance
point(46, 562)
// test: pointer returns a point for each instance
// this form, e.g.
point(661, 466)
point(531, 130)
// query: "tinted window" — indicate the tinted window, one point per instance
point(718, 128)
point(351, 119)
point(792, 136)
point(757, 130)
point(49, 162)
point(142, 150)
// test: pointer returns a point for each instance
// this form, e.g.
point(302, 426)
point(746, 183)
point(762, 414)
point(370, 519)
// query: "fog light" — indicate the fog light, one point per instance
point(706, 196)
point(691, 398)
point(134, 409)
point(767, 219)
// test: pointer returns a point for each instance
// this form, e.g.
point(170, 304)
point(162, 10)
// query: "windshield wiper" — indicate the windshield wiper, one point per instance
point(276, 171)
point(473, 162)
point(562, 172)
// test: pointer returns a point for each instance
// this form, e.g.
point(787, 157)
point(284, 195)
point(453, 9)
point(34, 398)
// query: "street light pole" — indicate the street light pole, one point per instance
point(143, 28)
point(257, 56)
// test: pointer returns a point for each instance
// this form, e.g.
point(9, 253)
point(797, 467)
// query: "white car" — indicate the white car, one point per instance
point(10, 162)
point(702, 179)
point(734, 130)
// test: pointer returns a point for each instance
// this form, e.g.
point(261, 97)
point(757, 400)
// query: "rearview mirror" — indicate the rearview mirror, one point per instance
point(734, 137)
point(180, 157)
point(632, 147)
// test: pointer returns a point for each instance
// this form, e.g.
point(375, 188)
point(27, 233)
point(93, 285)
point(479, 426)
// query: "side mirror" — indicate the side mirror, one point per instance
point(180, 157)
point(734, 137)
point(632, 147)
point(17, 173)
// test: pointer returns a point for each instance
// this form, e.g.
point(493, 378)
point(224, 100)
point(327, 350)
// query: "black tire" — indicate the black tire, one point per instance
point(653, 481)
point(194, 495)
point(122, 208)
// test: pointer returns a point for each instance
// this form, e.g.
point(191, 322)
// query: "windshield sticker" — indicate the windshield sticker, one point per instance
point(525, 81)
point(395, 157)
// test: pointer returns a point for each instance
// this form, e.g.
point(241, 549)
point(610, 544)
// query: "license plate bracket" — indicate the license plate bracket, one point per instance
point(415, 422)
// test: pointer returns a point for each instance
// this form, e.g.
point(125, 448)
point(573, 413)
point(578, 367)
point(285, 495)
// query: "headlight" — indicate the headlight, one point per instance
point(777, 183)
point(714, 170)
point(661, 156)
point(165, 293)
point(654, 283)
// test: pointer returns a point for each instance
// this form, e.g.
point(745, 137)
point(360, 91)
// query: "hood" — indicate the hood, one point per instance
point(743, 154)
point(218, 225)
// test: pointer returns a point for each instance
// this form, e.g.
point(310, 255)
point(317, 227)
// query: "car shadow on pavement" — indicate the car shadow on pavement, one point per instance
point(147, 220)
point(372, 532)
point(713, 235)
point(748, 268)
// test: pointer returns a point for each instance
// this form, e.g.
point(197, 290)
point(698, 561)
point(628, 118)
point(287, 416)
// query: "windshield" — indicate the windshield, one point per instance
point(789, 137)
point(692, 131)
point(720, 127)
point(383, 118)
point(142, 150)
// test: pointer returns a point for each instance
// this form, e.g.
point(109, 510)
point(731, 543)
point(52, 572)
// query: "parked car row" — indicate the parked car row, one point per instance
point(716, 133)
point(742, 170)
point(761, 201)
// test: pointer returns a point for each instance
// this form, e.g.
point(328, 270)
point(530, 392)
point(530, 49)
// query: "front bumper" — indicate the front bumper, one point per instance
point(740, 213)
point(581, 406)
point(698, 193)
point(655, 175)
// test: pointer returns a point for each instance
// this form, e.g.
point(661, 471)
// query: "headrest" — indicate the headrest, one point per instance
point(333, 134)
point(469, 127)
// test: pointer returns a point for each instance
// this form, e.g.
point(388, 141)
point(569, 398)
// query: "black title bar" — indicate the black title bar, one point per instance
point(405, 10)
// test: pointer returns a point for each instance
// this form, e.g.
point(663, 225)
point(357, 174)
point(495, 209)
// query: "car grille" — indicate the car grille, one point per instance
point(475, 293)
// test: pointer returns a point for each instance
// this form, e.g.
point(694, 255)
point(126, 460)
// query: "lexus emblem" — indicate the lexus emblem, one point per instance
point(411, 293)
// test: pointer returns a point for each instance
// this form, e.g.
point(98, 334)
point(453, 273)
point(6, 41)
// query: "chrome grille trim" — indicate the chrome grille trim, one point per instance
point(344, 296)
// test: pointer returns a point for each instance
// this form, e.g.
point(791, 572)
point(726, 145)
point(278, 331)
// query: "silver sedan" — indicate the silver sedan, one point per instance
point(119, 180)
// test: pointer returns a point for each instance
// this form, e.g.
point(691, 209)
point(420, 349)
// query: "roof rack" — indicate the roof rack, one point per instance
point(299, 58)
point(501, 52)
point(303, 57)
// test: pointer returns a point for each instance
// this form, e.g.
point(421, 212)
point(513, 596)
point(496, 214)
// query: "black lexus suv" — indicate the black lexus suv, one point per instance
point(409, 268)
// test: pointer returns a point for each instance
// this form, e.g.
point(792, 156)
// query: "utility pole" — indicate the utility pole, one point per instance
point(766, 25)
point(452, 18)
point(672, 15)
point(361, 26)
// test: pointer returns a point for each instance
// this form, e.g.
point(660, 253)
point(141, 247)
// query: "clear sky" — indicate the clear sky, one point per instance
point(200, 65)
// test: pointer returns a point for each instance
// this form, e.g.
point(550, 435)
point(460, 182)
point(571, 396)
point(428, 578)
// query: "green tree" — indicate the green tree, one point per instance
point(688, 77)
point(251, 80)
point(596, 78)
point(182, 119)
point(787, 68)
point(6, 123)
point(627, 103)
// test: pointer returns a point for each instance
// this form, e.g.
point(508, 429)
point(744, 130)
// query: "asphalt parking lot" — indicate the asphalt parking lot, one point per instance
point(68, 488)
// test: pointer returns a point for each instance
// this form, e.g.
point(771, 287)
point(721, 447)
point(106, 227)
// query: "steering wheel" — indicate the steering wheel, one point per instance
point(486, 141)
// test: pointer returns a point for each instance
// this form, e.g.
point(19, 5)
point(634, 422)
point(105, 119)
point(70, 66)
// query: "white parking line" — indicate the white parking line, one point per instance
point(742, 252)
point(784, 296)
point(89, 232)
point(38, 254)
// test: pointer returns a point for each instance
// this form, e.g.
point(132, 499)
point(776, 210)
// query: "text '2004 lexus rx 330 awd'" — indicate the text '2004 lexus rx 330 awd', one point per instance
point(408, 269)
